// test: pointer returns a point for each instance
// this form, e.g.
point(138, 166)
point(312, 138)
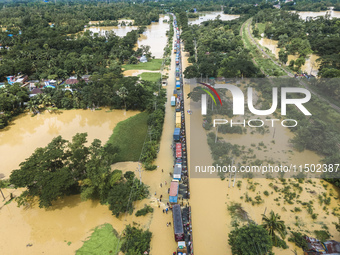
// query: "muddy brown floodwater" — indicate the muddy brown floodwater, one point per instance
point(310, 66)
point(333, 14)
point(26, 133)
point(210, 197)
point(69, 220)
point(154, 36)
point(211, 16)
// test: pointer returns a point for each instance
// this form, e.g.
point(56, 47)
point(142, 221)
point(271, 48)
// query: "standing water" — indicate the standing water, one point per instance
point(26, 133)
point(154, 36)
point(204, 16)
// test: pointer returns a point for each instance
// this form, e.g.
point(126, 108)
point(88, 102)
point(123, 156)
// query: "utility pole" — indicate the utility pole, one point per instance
point(139, 169)
point(2, 194)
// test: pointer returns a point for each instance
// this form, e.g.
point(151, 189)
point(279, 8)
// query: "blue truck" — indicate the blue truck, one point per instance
point(177, 133)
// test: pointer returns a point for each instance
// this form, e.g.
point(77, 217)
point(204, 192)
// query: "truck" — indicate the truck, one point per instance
point(178, 85)
point(173, 101)
point(177, 133)
point(178, 120)
point(175, 50)
point(181, 248)
point(177, 61)
point(173, 194)
point(178, 150)
point(178, 223)
point(177, 175)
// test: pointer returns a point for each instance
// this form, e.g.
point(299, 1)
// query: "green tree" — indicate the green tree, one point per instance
point(45, 174)
point(274, 226)
point(135, 241)
point(250, 240)
point(283, 56)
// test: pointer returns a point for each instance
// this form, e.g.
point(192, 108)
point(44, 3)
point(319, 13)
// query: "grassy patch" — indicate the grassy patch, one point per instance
point(261, 27)
point(150, 76)
point(265, 64)
point(152, 65)
point(104, 240)
point(129, 136)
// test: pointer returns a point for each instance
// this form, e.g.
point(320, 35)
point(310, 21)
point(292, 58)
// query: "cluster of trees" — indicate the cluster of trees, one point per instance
point(155, 123)
point(44, 53)
point(253, 239)
point(71, 17)
point(219, 48)
point(12, 99)
point(135, 241)
point(63, 168)
point(300, 37)
point(109, 89)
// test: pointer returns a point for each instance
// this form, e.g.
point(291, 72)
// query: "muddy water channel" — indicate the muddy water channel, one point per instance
point(154, 36)
point(204, 16)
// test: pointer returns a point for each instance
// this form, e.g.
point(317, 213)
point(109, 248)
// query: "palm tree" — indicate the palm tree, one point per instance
point(274, 225)
point(32, 106)
point(122, 93)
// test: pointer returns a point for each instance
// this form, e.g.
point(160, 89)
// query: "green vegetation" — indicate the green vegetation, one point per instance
point(147, 209)
point(103, 240)
point(265, 64)
point(129, 136)
point(297, 36)
point(298, 239)
point(322, 235)
point(153, 77)
point(135, 241)
point(152, 65)
point(63, 168)
point(250, 239)
point(275, 227)
point(220, 51)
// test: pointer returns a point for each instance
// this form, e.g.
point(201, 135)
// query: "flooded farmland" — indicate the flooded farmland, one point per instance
point(310, 66)
point(204, 16)
point(211, 196)
point(154, 36)
point(26, 133)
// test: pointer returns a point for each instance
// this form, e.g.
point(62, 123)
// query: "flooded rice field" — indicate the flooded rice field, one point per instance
point(211, 197)
point(154, 36)
point(26, 133)
point(305, 15)
point(204, 16)
point(62, 228)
